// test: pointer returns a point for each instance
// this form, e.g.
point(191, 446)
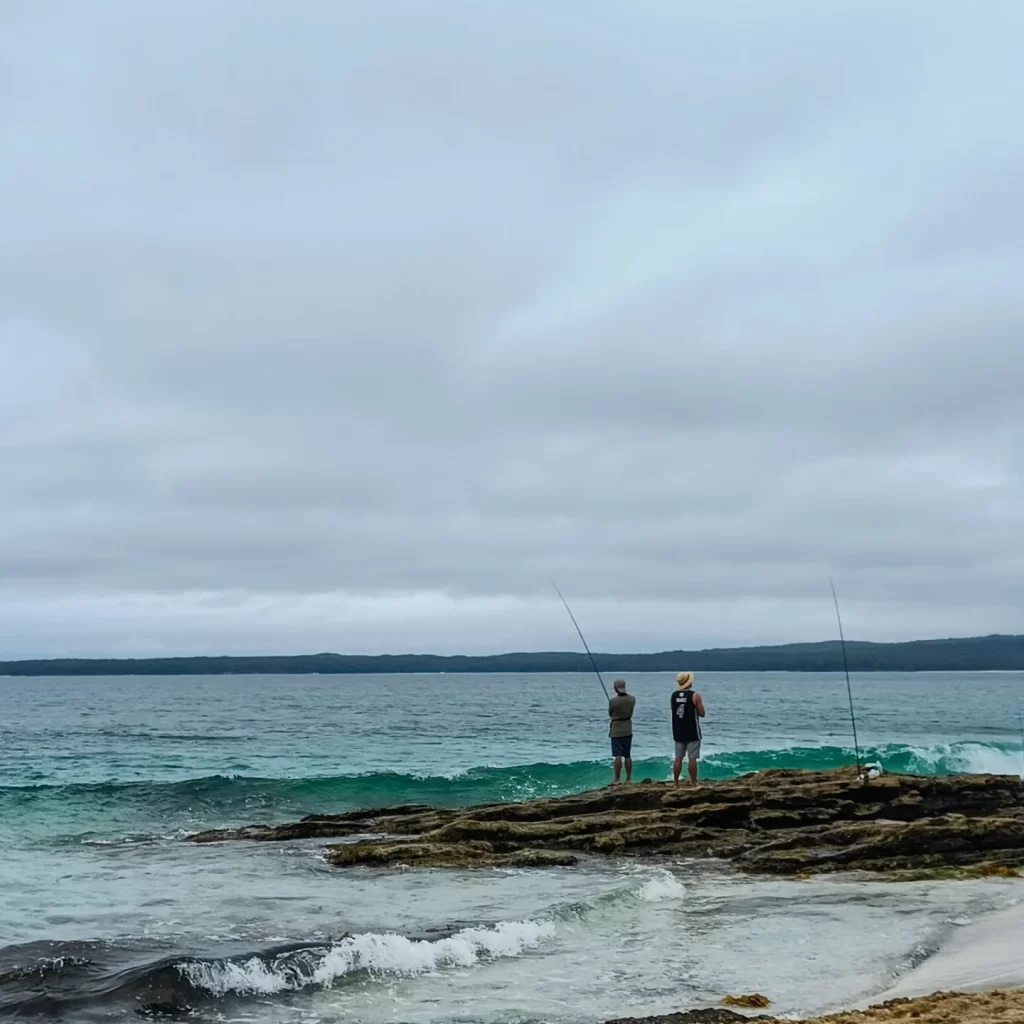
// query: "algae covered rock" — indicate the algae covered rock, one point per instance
point(754, 1001)
point(784, 821)
point(710, 1015)
point(466, 854)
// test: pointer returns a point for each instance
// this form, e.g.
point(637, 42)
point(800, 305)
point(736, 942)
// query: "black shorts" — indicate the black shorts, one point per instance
point(622, 746)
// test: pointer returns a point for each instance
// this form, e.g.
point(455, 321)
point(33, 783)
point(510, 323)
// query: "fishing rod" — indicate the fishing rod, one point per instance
point(846, 669)
point(597, 671)
point(1020, 723)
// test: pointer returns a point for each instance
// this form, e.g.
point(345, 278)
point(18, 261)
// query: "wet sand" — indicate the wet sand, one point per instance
point(986, 955)
point(977, 977)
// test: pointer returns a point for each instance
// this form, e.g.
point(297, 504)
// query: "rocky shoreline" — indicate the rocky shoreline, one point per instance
point(783, 822)
point(998, 1007)
point(780, 822)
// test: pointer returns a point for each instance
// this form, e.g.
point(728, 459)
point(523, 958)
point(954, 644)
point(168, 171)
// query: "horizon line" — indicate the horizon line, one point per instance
point(515, 654)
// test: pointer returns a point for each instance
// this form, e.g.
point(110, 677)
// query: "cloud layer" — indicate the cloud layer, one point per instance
point(350, 329)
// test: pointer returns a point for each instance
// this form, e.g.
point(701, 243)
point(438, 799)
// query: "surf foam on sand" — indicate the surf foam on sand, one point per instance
point(986, 955)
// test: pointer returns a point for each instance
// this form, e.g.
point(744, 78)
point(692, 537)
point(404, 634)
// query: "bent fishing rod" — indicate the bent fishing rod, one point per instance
point(846, 669)
point(593, 663)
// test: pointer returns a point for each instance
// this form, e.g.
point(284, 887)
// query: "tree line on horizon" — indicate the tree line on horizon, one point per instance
point(986, 653)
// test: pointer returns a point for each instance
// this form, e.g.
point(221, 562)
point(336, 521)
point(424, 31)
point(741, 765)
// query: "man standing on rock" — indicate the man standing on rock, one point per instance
point(687, 711)
point(620, 729)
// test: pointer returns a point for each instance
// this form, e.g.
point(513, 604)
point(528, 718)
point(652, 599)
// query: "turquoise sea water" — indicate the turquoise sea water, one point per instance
point(103, 910)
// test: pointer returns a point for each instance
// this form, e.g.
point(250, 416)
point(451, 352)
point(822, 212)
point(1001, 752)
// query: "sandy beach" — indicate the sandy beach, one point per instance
point(983, 956)
point(976, 978)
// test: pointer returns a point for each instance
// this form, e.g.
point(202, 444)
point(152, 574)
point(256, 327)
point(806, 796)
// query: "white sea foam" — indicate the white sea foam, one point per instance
point(249, 977)
point(664, 886)
point(386, 953)
point(984, 955)
point(979, 758)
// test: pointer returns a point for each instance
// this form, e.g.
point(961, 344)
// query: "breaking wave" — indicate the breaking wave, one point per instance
point(934, 759)
point(51, 978)
point(373, 953)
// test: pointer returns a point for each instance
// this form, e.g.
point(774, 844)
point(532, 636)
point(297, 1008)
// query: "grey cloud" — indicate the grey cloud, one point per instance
point(349, 328)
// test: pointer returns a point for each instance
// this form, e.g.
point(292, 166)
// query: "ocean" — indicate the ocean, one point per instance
point(105, 912)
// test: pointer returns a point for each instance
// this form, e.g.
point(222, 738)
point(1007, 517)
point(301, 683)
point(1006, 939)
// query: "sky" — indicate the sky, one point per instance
point(349, 327)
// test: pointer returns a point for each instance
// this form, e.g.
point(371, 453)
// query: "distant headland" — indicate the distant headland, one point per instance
point(978, 654)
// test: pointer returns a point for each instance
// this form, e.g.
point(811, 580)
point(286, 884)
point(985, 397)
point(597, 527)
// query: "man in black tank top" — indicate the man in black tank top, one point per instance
point(687, 711)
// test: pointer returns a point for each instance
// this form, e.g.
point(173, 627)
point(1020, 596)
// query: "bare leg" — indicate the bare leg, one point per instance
point(629, 769)
point(677, 768)
point(618, 770)
point(693, 771)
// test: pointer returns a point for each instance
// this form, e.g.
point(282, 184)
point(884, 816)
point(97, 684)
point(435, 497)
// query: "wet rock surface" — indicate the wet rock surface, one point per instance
point(997, 1007)
point(783, 822)
point(473, 854)
point(713, 1015)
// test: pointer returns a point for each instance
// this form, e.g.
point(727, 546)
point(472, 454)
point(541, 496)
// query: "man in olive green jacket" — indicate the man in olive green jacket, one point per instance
point(620, 729)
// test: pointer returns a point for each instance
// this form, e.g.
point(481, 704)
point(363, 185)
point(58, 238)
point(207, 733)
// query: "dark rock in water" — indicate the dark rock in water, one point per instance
point(995, 1007)
point(443, 855)
point(164, 1010)
point(784, 822)
point(712, 1015)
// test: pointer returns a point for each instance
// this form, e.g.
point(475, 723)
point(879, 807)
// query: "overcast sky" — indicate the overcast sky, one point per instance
point(350, 326)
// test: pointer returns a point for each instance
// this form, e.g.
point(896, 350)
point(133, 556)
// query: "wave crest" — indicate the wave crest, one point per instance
point(374, 953)
point(219, 798)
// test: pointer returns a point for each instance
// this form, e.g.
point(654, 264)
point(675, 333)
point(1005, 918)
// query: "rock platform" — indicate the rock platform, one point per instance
point(783, 822)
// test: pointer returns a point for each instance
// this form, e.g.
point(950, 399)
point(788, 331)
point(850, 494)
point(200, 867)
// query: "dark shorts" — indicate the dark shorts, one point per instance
point(622, 746)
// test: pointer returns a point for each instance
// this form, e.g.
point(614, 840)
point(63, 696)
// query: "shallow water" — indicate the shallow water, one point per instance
point(103, 909)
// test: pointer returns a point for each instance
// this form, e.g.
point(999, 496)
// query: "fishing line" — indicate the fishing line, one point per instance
point(583, 638)
point(846, 669)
